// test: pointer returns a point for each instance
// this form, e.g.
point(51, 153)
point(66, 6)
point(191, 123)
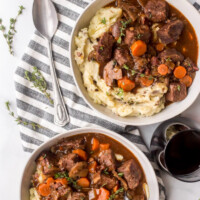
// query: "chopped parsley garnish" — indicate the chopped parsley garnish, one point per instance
point(120, 190)
point(150, 77)
point(44, 156)
point(120, 174)
point(142, 75)
point(106, 171)
point(119, 40)
point(179, 88)
point(103, 21)
point(139, 36)
point(133, 72)
point(126, 67)
point(168, 59)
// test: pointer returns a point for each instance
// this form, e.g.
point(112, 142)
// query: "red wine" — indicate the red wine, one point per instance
point(182, 155)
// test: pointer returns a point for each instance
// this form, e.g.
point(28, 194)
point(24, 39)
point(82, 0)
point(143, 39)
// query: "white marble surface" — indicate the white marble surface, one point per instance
point(12, 157)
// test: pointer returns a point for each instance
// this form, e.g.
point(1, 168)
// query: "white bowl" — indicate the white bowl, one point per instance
point(170, 111)
point(147, 168)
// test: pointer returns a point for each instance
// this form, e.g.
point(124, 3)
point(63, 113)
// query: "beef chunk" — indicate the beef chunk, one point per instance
point(107, 159)
point(77, 196)
point(156, 10)
point(177, 92)
point(48, 162)
point(122, 55)
point(141, 32)
point(115, 29)
point(79, 170)
point(59, 189)
point(68, 161)
point(111, 73)
point(131, 194)
point(140, 63)
point(154, 61)
point(189, 64)
point(172, 54)
point(171, 31)
point(66, 145)
point(103, 51)
point(132, 173)
point(98, 179)
point(130, 11)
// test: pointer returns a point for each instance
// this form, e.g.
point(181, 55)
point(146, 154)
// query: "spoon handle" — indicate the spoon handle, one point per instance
point(61, 117)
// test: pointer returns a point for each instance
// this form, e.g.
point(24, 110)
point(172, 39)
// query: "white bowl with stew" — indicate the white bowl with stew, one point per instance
point(171, 110)
point(148, 171)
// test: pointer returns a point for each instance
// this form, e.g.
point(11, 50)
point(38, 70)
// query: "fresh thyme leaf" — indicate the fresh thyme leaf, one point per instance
point(106, 171)
point(168, 59)
point(38, 82)
point(139, 36)
point(133, 72)
point(142, 75)
point(120, 92)
point(126, 67)
point(19, 119)
point(103, 21)
point(101, 47)
point(11, 32)
point(120, 190)
point(150, 77)
point(120, 174)
point(119, 40)
point(179, 88)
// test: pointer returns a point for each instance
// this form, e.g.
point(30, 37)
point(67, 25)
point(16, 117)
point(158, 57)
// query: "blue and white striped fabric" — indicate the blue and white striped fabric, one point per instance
point(32, 105)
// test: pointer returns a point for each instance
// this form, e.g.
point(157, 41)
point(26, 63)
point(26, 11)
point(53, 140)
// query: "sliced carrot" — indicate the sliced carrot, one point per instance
point(83, 182)
point(145, 81)
point(163, 69)
point(180, 72)
point(92, 167)
point(49, 181)
point(138, 48)
point(115, 188)
point(104, 146)
point(104, 194)
point(63, 181)
point(126, 84)
point(187, 81)
point(44, 189)
point(82, 154)
point(160, 47)
point(95, 144)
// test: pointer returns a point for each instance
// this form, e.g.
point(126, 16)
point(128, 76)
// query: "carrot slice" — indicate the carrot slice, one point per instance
point(63, 181)
point(163, 69)
point(160, 47)
point(145, 81)
point(82, 154)
point(180, 72)
point(49, 181)
point(115, 188)
point(126, 84)
point(95, 144)
point(44, 189)
point(104, 194)
point(83, 182)
point(138, 48)
point(92, 167)
point(187, 81)
point(104, 146)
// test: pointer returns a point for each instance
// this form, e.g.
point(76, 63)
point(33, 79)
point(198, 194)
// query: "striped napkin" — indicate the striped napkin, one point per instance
point(33, 106)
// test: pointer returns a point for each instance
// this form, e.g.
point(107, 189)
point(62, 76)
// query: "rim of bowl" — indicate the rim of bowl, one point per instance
point(140, 156)
point(127, 120)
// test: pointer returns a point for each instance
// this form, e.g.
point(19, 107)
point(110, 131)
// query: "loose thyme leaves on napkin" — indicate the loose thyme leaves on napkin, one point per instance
point(11, 32)
point(19, 119)
point(38, 82)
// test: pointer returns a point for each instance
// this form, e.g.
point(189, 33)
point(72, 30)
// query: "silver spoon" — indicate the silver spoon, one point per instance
point(46, 22)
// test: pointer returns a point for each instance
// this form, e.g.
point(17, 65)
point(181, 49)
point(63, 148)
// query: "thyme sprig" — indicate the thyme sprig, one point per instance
point(122, 29)
point(11, 32)
point(19, 119)
point(70, 180)
point(38, 82)
point(120, 190)
point(134, 72)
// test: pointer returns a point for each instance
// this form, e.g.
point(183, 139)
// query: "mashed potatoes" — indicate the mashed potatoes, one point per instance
point(146, 102)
